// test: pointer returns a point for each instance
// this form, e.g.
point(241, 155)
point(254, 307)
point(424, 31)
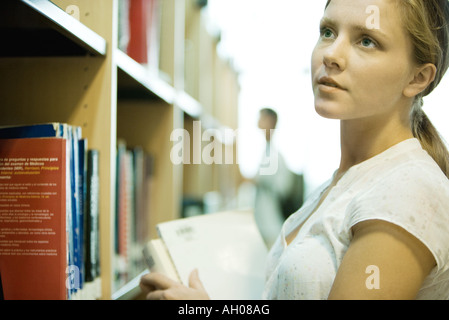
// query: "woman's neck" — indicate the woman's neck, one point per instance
point(362, 139)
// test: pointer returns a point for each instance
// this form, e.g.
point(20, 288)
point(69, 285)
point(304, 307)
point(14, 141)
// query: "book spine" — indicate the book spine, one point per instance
point(123, 25)
point(154, 36)
point(82, 200)
point(133, 189)
point(139, 18)
point(149, 185)
point(92, 216)
point(122, 214)
point(76, 214)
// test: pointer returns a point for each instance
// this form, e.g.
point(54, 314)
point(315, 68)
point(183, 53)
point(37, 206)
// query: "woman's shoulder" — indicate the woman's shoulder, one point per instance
point(416, 169)
point(412, 194)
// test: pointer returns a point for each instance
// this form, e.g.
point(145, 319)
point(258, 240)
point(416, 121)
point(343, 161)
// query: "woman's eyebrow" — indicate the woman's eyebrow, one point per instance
point(325, 21)
point(374, 31)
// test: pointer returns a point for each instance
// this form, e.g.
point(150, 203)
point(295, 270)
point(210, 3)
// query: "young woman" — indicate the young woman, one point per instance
point(379, 229)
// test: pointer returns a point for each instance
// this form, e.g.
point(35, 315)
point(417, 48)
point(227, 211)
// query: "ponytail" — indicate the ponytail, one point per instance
point(427, 22)
point(428, 136)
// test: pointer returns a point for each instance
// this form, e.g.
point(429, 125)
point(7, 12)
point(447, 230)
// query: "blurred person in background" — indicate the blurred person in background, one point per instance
point(274, 182)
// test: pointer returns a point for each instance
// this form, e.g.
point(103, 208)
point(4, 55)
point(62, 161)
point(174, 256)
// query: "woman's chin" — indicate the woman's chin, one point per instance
point(326, 112)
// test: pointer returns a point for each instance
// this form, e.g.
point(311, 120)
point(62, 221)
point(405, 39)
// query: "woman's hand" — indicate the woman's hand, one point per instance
point(157, 286)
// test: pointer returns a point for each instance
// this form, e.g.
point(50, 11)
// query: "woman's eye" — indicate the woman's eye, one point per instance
point(368, 43)
point(326, 33)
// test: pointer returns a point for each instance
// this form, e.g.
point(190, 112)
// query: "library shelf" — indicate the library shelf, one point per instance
point(40, 28)
point(188, 104)
point(136, 81)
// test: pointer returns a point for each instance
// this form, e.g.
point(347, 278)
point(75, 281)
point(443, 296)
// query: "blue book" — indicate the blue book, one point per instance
point(45, 130)
point(82, 205)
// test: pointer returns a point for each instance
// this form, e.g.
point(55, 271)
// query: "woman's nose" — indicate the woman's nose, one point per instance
point(335, 54)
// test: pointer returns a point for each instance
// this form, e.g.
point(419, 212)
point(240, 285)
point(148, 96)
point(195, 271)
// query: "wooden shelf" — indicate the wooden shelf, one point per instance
point(188, 104)
point(136, 81)
point(40, 28)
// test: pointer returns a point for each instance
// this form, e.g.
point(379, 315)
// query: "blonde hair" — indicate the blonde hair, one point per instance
point(427, 22)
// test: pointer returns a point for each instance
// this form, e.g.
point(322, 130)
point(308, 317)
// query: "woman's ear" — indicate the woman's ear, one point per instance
point(424, 75)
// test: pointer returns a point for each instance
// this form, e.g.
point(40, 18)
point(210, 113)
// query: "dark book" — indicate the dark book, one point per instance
point(44, 130)
point(92, 261)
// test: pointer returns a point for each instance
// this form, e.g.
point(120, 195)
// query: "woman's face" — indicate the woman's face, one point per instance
point(362, 61)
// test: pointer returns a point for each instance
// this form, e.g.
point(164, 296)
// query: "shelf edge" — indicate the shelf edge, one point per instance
point(143, 77)
point(69, 26)
point(188, 104)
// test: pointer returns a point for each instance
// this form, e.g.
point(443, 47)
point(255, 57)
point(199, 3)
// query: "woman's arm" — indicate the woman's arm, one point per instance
point(401, 263)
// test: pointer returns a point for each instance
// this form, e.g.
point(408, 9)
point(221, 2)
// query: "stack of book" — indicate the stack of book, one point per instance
point(49, 210)
point(133, 197)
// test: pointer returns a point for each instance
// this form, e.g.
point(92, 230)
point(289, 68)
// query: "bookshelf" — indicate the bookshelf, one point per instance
point(39, 28)
point(56, 68)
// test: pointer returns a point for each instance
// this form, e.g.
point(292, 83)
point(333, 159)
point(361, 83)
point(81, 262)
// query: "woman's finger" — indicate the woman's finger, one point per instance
point(196, 284)
point(157, 281)
point(156, 295)
point(194, 280)
point(146, 288)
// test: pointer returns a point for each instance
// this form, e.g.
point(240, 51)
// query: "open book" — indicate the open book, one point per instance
point(226, 248)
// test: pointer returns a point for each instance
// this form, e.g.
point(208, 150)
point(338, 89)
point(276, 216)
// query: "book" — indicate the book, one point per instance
point(75, 240)
point(72, 134)
point(158, 259)
point(124, 207)
point(139, 36)
point(77, 188)
point(44, 130)
point(33, 221)
point(2, 297)
point(154, 38)
point(139, 26)
point(82, 199)
point(225, 247)
point(134, 185)
point(123, 25)
point(91, 234)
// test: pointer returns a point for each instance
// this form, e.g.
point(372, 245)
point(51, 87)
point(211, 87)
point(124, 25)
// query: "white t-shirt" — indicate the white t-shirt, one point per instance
point(403, 185)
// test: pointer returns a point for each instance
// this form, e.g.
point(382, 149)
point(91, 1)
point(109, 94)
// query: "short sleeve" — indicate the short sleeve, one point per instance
point(414, 197)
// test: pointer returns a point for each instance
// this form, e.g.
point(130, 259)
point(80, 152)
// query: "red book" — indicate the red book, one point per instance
point(139, 22)
point(33, 246)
